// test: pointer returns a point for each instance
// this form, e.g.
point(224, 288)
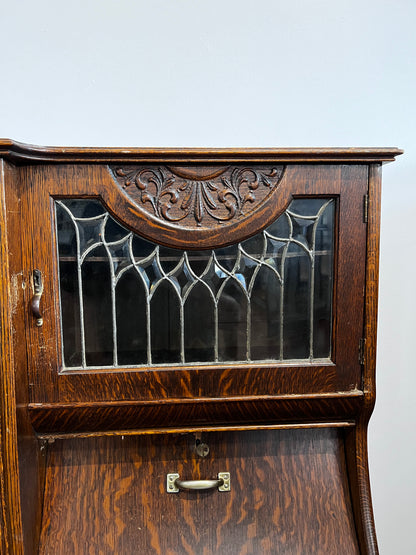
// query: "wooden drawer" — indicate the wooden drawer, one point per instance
point(289, 494)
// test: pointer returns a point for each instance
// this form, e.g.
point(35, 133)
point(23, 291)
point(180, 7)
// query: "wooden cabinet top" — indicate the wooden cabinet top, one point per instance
point(20, 152)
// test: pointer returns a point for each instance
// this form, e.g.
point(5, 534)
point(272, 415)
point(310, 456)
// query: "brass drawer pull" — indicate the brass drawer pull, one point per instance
point(174, 484)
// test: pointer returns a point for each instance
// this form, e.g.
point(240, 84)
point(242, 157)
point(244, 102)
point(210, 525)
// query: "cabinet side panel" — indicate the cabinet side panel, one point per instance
point(9, 472)
point(356, 443)
point(372, 276)
point(30, 455)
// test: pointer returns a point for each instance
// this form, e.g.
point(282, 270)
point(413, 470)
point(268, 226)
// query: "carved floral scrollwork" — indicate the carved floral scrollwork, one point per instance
point(197, 195)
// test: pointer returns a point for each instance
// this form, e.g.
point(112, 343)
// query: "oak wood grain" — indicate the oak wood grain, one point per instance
point(50, 437)
point(357, 451)
point(10, 517)
point(55, 418)
point(30, 456)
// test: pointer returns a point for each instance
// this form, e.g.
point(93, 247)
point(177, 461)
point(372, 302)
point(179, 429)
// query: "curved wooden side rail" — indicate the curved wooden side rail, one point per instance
point(359, 479)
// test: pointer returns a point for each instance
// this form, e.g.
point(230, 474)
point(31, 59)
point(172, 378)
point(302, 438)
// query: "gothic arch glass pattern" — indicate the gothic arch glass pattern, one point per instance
point(128, 302)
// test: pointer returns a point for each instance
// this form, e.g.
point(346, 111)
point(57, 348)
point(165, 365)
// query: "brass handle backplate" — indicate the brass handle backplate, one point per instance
point(174, 484)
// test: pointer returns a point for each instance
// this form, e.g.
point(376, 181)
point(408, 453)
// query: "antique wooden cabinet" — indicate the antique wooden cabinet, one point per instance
point(187, 349)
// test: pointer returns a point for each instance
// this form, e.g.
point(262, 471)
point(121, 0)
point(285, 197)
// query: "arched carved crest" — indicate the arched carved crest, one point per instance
point(199, 196)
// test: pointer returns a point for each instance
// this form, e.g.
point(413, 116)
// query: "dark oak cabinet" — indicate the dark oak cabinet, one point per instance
point(187, 349)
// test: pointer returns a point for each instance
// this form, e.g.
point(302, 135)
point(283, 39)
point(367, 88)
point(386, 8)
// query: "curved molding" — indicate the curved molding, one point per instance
point(21, 152)
point(204, 196)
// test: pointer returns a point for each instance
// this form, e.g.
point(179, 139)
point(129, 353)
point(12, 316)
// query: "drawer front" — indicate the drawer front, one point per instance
point(288, 494)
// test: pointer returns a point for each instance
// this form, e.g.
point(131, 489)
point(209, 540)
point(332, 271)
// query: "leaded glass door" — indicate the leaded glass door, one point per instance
point(196, 285)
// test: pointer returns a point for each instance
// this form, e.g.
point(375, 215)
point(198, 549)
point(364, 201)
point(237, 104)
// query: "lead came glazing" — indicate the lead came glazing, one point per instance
point(128, 302)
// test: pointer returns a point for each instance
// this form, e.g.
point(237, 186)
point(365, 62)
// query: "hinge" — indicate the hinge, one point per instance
point(361, 350)
point(365, 208)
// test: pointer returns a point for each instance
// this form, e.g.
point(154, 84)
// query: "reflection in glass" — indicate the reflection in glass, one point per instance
point(126, 301)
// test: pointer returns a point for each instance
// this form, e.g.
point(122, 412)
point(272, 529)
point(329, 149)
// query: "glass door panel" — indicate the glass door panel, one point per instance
point(128, 302)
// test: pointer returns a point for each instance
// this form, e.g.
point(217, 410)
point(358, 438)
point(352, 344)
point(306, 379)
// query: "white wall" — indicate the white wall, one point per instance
point(240, 73)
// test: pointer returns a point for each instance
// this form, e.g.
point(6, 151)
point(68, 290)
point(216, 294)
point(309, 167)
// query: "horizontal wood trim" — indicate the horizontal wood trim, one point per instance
point(201, 367)
point(21, 152)
point(200, 429)
point(172, 400)
point(204, 383)
point(55, 418)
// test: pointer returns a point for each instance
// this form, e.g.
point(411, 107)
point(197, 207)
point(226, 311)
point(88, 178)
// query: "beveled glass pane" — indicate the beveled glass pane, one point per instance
point(308, 207)
point(169, 258)
point(69, 289)
point(131, 319)
point(322, 328)
point(199, 325)
point(165, 325)
point(199, 262)
point(227, 258)
point(265, 315)
point(114, 232)
point(96, 287)
point(141, 249)
point(90, 233)
point(296, 303)
point(83, 208)
point(232, 323)
point(70, 314)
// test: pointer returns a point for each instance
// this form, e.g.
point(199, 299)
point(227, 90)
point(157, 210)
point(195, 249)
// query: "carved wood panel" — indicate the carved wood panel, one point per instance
point(198, 196)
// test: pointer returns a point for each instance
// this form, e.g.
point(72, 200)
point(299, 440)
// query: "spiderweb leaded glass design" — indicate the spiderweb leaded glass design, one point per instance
point(127, 302)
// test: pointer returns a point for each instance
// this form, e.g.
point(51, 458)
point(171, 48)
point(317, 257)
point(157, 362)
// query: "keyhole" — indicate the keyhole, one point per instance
point(37, 281)
point(201, 448)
